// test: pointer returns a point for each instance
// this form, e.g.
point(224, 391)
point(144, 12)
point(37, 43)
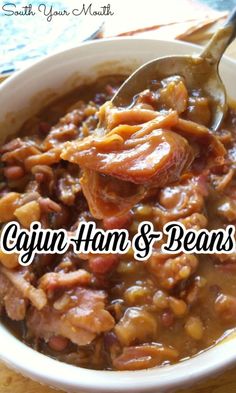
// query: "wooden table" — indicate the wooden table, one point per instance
point(10, 382)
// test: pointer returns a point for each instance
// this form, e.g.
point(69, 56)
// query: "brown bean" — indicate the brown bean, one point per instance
point(160, 300)
point(58, 343)
point(225, 306)
point(118, 222)
point(167, 318)
point(143, 211)
point(103, 264)
point(13, 172)
point(39, 177)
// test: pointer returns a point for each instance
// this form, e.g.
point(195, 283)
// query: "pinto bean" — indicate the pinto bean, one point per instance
point(142, 211)
point(227, 208)
point(199, 110)
point(12, 145)
point(103, 264)
point(118, 222)
point(58, 343)
point(13, 172)
point(167, 318)
point(160, 300)
point(225, 306)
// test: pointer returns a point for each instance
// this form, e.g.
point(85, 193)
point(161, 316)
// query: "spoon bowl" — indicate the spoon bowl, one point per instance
point(198, 72)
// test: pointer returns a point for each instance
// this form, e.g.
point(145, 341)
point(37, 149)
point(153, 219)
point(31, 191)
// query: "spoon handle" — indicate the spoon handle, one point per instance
point(221, 40)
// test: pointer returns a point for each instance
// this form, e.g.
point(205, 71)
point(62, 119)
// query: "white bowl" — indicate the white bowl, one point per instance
point(52, 76)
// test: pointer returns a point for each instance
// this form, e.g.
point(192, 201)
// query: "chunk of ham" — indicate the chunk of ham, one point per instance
point(136, 325)
point(174, 95)
point(18, 153)
point(140, 357)
point(182, 200)
point(36, 295)
point(108, 197)
point(141, 154)
point(52, 280)
point(141, 149)
point(12, 300)
point(209, 146)
point(12, 201)
point(225, 307)
point(169, 271)
point(84, 318)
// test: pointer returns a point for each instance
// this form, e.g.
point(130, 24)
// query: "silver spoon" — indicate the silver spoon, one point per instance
point(199, 72)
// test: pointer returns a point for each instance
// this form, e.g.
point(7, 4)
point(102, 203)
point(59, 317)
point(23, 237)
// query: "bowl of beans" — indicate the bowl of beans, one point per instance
point(109, 322)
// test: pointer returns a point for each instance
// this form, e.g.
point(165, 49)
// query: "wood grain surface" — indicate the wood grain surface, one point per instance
point(11, 382)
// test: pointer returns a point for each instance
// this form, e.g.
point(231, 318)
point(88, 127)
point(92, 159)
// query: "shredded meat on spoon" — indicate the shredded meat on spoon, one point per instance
point(139, 146)
point(148, 153)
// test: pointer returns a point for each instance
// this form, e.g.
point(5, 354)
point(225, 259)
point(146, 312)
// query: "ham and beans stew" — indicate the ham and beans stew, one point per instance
point(83, 159)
